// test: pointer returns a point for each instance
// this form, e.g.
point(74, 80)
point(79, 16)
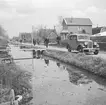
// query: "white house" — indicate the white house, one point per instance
point(76, 25)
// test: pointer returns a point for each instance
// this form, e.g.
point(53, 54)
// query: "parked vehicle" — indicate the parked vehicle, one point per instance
point(82, 43)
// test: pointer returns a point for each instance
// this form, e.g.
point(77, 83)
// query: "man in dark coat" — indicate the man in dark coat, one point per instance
point(46, 42)
point(34, 42)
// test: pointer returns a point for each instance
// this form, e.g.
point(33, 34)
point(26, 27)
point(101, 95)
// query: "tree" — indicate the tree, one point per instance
point(59, 25)
point(3, 32)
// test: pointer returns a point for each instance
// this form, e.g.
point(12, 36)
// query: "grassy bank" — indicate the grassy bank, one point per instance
point(12, 76)
point(95, 65)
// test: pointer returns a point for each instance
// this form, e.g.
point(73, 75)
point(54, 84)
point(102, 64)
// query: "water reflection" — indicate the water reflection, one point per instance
point(36, 54)
point(58, 64)
point(46, 61)
point(76, 76)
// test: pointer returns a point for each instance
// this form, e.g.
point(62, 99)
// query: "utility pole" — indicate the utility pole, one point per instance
point(32, 51)
point(32, 34)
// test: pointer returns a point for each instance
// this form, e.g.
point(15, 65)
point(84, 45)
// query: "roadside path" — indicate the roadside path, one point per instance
point(101, 54)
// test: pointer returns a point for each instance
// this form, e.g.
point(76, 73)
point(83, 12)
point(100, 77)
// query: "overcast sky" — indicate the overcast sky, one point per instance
point(19, 15)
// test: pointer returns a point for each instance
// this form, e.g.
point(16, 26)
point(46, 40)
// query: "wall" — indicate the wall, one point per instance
point(75, 29)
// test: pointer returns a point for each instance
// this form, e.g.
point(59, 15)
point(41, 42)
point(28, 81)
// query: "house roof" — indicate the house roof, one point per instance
point(77, 21)
point(100, 34)
point(49, 31)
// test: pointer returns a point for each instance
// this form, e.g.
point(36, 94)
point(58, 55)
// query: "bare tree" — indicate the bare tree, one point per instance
point(59, 25)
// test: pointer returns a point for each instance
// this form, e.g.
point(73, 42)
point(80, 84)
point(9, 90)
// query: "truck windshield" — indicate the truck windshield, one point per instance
point(83, 37)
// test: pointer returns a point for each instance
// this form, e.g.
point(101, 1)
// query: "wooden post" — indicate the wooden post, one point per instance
point(32, 34)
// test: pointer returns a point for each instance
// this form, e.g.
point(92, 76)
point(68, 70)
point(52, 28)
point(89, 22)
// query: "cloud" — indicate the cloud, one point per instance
point(78, 13)
point(28, 7)
point(25, 10)
point(54, 3)
point(93, 9)
point(4, 4)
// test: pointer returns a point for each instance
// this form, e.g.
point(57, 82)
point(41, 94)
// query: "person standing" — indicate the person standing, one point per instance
point(46, 42)
point(34, 42)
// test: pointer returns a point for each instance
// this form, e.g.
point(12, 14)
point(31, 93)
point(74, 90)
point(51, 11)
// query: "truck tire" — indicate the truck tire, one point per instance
point(80, 48)
point(96, 52)
point(69, 49)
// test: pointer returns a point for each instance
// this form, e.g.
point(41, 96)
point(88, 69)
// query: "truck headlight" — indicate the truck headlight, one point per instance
point(85, 43)
point(95, 43)
point(82, 45)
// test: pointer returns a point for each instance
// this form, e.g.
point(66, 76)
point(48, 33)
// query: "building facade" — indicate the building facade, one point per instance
point(25, 37)
point(76, 25)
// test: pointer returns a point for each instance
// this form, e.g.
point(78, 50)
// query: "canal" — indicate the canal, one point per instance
point(56, 83)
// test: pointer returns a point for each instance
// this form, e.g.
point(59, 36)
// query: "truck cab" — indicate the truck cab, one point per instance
point(82, 43)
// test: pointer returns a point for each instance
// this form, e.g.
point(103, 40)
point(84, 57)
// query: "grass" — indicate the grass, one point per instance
point(93, 64)
point(16, 78)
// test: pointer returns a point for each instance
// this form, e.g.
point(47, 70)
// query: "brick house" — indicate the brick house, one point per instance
point(76, 25)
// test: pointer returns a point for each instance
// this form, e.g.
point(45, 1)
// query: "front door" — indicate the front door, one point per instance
point(73, 42)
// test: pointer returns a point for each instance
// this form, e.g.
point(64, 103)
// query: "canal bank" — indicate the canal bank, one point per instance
point(14, 77)
point(92, 64)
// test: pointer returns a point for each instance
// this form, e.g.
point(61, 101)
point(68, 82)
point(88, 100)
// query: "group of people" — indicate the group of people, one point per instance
point(46, 42)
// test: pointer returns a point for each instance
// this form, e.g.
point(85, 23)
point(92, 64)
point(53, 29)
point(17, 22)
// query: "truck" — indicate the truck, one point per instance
point(82, 43)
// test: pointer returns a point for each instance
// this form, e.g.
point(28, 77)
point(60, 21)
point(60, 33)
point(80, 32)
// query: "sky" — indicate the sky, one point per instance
point(19, 15)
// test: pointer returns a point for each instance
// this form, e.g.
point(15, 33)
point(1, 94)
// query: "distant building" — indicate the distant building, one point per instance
point(52, 35)
point(76, 25)
point(15, 38)
point(97, 30)
point(25, 37)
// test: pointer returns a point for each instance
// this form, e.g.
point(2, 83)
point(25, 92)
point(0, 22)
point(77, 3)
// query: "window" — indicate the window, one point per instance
point(73, 37)
point(83, 37)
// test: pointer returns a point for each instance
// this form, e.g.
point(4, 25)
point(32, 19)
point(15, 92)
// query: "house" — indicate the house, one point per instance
point(25, 37)
point(76, 25)
point(52, 35)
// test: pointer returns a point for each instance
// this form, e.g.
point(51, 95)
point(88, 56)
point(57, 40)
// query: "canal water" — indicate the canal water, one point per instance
point(56, 83)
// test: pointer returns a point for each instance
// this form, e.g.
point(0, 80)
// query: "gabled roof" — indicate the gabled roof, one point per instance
point(49, 31)
point(77, 21)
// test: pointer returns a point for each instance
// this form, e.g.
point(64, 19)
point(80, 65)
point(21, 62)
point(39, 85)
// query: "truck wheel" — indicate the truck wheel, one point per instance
point(96, 52)
point(80, 48)
point(69, 49)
